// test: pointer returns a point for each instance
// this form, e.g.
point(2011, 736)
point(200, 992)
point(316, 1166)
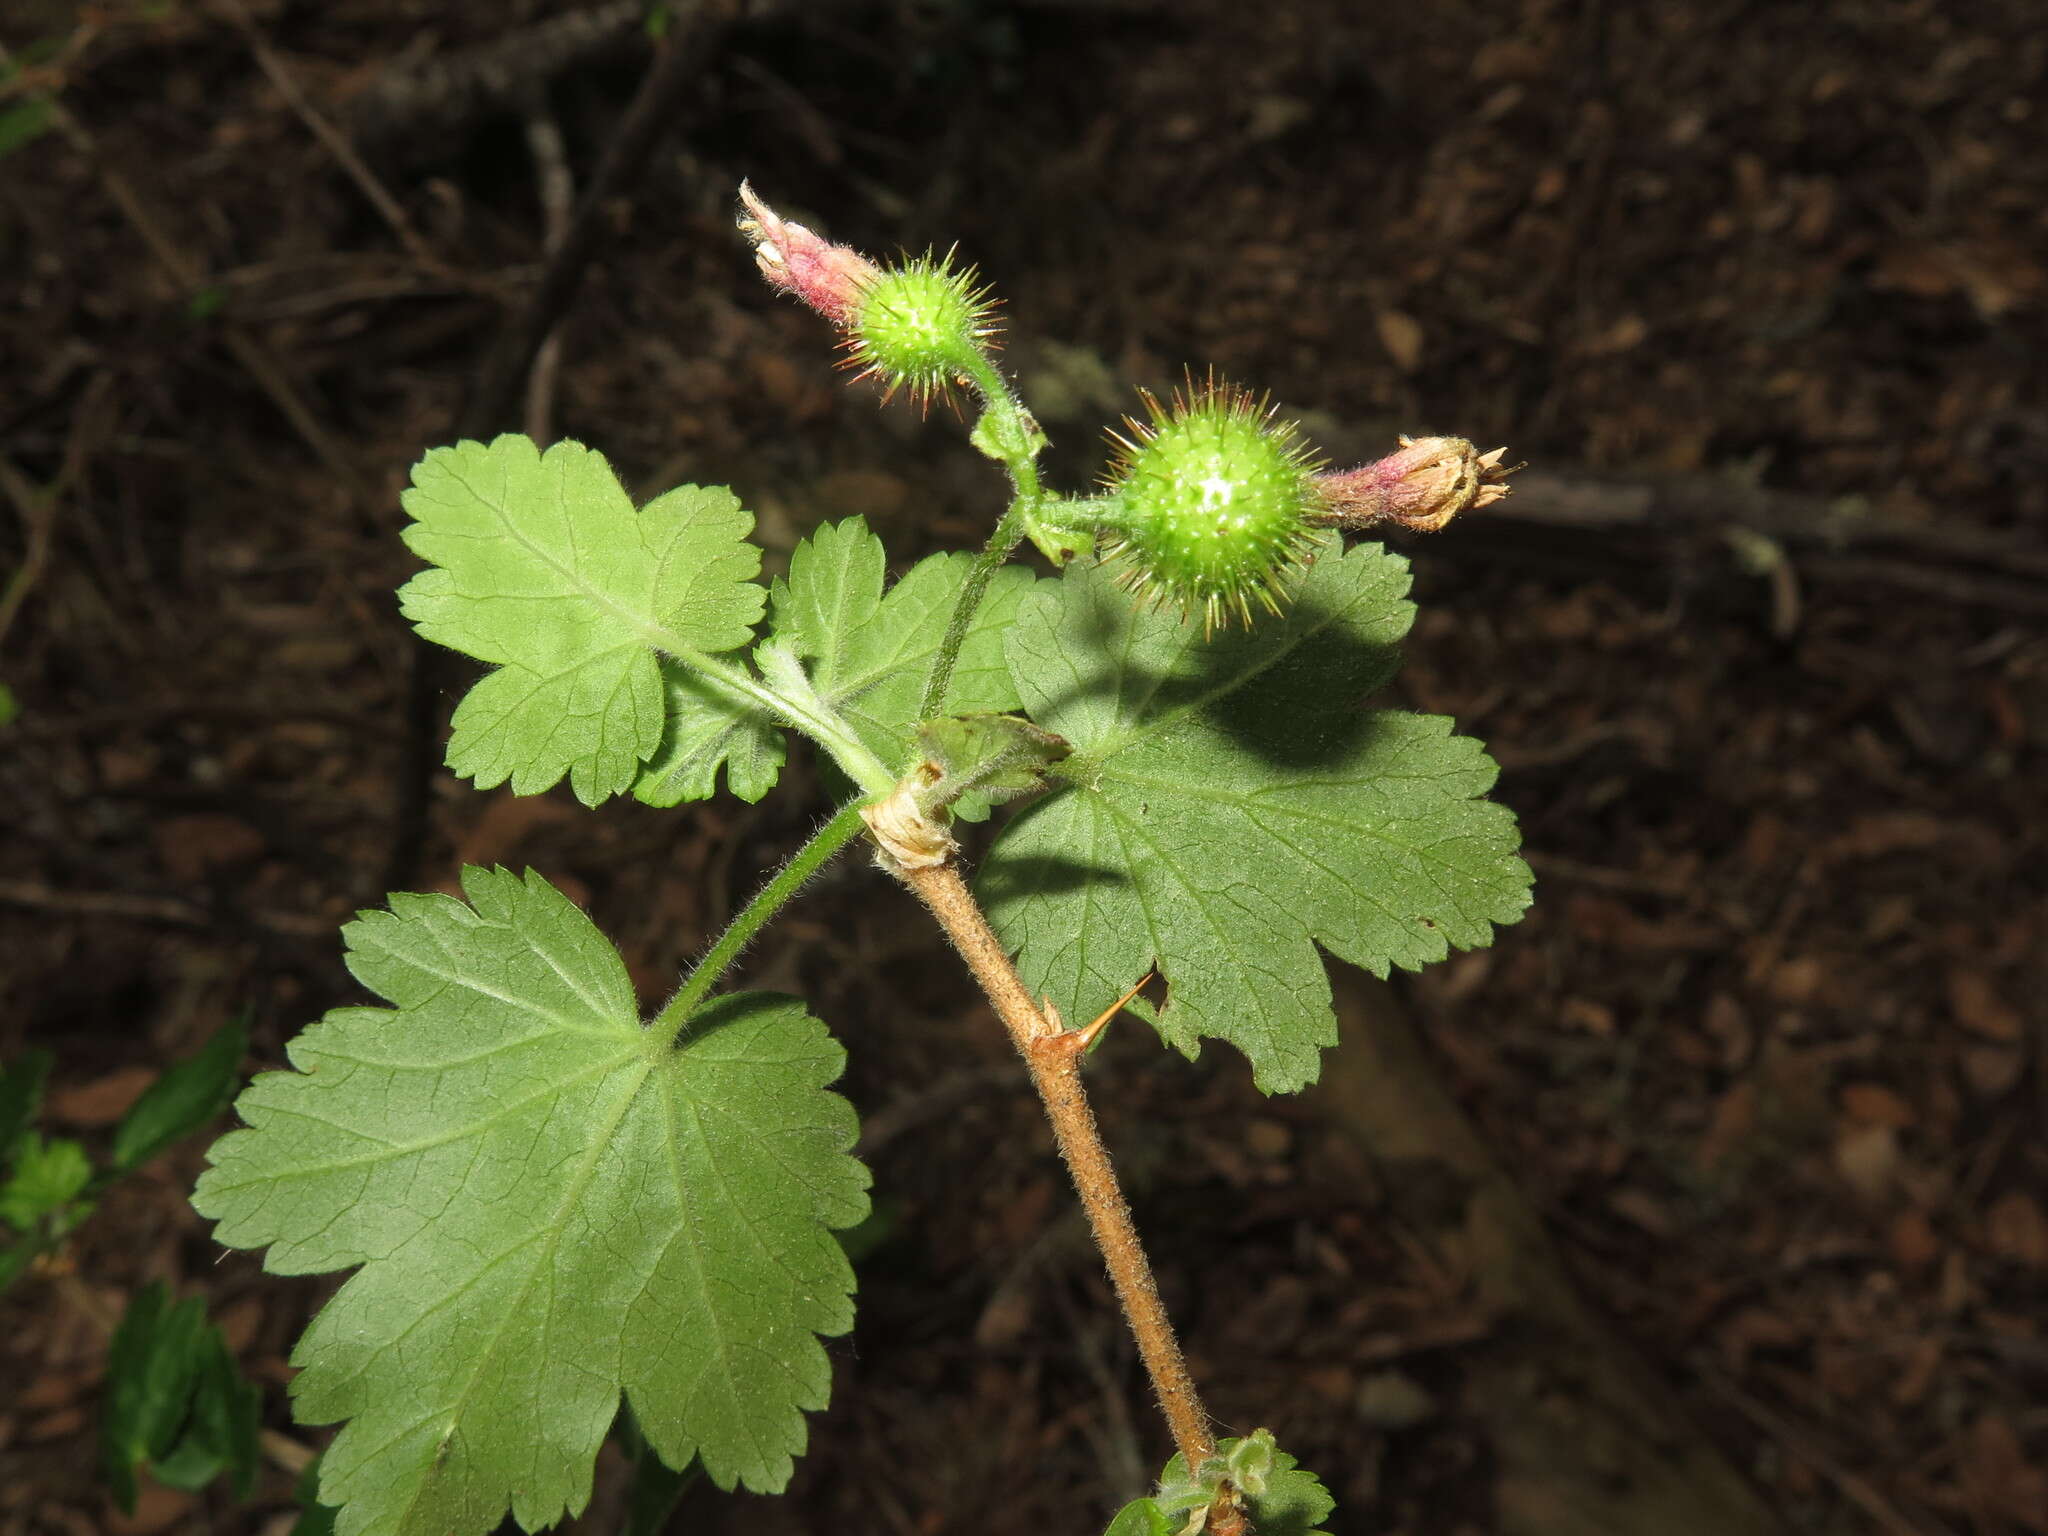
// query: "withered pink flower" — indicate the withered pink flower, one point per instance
point(830, 278)
point(1429, 482)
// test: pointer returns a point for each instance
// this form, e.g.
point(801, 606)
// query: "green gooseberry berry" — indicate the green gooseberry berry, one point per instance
point(921, 325)
point(1213, 500)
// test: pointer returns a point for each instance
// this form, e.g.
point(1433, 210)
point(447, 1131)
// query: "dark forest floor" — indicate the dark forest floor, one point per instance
point(1767, 1053)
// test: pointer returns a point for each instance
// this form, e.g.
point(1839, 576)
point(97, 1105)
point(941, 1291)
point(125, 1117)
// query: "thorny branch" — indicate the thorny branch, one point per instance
point(1053, 1053)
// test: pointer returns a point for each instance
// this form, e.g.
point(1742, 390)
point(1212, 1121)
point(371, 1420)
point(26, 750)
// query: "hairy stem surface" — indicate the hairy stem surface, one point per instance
point(1000, 404)
point(1054, 1058)
point(1001, 545)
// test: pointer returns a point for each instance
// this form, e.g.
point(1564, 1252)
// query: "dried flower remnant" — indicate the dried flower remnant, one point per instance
point(905, 832)
point(1422, 487)
point(829, 278)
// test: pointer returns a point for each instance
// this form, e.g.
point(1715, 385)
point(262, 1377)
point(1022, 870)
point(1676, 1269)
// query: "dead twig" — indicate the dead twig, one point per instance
point(1688, 503)
point(934, 1102)
point(1969, 588)
point(678, 62)
point(1855, 1487)
point(446, 93)
point(557, 189)
point(255, 359)
point(38, 508)
point(151, 909)
point(38, 511)
point(253, 714)
point(331, 138)
point(49, 74)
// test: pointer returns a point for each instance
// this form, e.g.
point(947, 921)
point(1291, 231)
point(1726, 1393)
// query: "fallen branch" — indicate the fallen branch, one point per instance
point(1945, 558)
point(427, 101)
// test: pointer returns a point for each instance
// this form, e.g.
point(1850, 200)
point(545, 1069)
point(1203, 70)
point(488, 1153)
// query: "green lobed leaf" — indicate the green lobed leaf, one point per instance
point(543, 567)
point(548, 1205)
point(704, 733)
point(1140, 1517)
point(868, 653)
point(183, 1099)
point(1230, 804)
point(865, 651)
point(47, 1175)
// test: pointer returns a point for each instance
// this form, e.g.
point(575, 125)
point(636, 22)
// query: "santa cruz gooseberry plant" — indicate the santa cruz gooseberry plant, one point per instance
point(565, 1219)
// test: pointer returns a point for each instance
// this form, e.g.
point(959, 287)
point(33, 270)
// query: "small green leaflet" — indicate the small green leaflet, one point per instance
point(704, 733)
point(994, 757)
point(46, 1176)
point(543, 568)
point(548, 1204)
point(1231, 803)
point(175, 1401)
point(1280, 1498)
point(866, 652)
point(181, 1101)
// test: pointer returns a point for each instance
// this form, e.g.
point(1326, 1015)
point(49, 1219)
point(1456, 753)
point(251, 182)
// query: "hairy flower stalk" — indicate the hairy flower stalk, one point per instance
point(1422, 487)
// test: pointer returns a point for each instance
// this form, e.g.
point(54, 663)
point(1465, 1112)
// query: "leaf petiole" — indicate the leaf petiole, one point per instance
point(1007, 433)
point(1002, 543)
point(770, 899)
point(812, 716)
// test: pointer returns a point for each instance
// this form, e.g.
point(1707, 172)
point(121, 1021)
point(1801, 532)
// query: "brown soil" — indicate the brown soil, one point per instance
point(1767, 1054)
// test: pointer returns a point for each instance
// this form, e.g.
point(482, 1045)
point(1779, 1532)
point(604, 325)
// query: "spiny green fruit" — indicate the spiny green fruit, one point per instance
point(921, 325)
point(1213, 499)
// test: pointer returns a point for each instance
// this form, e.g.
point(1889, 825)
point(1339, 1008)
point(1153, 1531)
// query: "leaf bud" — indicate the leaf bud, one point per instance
point(1422, 487)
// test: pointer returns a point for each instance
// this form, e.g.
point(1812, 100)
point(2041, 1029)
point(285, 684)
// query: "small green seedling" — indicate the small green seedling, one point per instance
point(174, 1402)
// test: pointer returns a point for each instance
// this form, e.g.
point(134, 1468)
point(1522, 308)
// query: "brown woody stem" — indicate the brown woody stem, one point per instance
point(1053, 1055)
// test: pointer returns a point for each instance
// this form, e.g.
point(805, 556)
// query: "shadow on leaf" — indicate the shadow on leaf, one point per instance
point(1016, 879)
